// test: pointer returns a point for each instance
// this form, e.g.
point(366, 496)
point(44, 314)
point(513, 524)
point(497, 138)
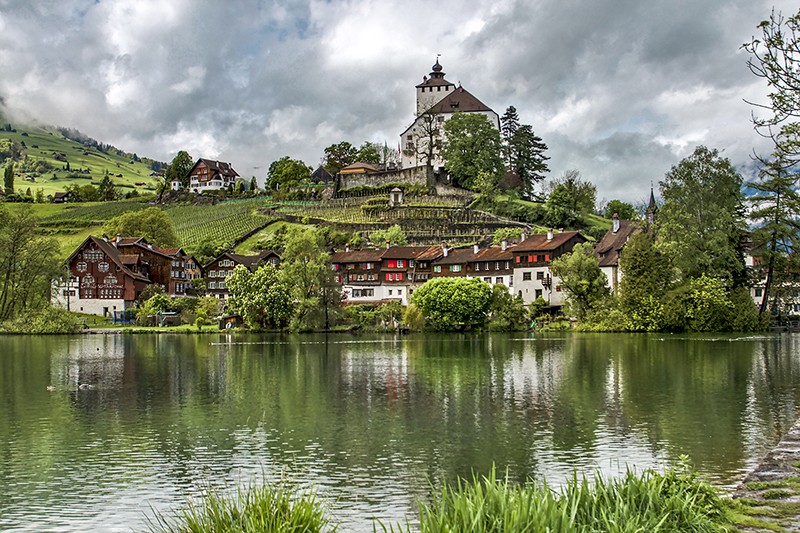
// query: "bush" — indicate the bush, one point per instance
point(50, 320)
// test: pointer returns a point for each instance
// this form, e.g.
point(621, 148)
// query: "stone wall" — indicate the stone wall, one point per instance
point(415, 175)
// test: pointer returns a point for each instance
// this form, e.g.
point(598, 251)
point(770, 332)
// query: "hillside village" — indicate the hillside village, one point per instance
point(455, 227)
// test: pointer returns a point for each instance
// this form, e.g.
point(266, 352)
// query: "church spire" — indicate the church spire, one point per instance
point(651, 207)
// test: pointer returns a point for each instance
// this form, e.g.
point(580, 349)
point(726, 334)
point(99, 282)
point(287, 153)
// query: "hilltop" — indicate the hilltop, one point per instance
point(50, 159)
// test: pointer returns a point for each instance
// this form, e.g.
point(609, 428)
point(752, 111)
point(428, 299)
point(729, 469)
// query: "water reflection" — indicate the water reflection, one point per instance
point(367, 420)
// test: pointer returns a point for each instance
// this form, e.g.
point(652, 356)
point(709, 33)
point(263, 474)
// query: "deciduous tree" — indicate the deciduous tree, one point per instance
point(701, 223)
point(338, 156)
point(624, 210)
point(151, 223)
point(472, 146)
point(454, 304)
point(286, 173)
point(262, 297)
point(583, 281)
point(570, 200)
point(8, 179)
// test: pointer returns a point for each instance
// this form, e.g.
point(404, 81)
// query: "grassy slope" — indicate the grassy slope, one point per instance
point(247, 246)
point(124, 173)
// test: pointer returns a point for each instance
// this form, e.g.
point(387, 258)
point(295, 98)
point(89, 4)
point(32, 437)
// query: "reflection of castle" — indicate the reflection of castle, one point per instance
point(437, 100)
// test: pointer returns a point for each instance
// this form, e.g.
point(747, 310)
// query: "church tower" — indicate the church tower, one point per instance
point(432, 89)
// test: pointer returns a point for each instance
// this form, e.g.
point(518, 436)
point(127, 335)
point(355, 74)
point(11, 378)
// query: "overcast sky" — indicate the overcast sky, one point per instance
point(619, 90)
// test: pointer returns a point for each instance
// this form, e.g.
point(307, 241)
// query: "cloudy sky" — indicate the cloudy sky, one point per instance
point(619, 90)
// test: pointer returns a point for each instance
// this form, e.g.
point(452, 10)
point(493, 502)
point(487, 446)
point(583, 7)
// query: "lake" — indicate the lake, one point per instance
point(369, 421)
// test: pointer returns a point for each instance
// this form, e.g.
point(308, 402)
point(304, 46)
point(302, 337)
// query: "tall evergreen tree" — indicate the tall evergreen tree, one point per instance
point(8, 179)
point(776, 207)
point(523, 152)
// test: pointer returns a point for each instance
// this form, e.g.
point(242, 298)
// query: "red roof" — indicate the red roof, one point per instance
point(358, 256)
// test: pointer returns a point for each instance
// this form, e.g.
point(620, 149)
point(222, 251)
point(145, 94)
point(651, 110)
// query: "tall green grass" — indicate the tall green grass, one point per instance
point(269, 508)
point(651, 502)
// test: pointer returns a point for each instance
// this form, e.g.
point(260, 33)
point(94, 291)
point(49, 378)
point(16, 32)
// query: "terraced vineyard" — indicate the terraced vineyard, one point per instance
point(79, 216)
point(226, 222)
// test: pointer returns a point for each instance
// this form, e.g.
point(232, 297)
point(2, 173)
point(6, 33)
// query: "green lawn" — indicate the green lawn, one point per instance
point(87, 164)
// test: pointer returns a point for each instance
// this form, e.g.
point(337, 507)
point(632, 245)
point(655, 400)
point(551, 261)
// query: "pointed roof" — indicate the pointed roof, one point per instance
point(113, 254)
point(459, 100)
point(651, 205)
point(217, 167)
point(612, 243)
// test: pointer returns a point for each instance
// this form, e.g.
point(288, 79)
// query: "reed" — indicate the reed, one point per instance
point(268, 508)
point(675, 500)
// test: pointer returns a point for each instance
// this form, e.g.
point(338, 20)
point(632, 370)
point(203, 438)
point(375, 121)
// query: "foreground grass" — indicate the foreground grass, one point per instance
point(275, 508)
point(675, 500)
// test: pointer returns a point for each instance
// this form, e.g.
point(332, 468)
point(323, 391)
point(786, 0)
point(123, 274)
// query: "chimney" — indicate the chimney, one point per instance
point(105, 237)
point(445, 250)
point(475, 249)
point(346, 248)
point(504, 245)
point(387, 244)
point(522, 237)
point(118, 238)
point(615, 223)
point(150, 246)
point(549, 234)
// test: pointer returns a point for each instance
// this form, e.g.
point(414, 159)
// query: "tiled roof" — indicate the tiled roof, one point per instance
point(458, 256)
point(219, 167)
point(539, 242)
point(610, 246)
point(360, 166)
point(495, 253)
point(404, 252)
point(358, 256)
point(459, 100)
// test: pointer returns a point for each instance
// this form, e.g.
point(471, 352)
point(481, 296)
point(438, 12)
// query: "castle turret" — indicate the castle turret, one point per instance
point(433, 88)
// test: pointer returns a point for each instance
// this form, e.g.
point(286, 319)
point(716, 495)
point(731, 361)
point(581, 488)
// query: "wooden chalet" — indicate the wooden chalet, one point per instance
point(102, 279)
point(208, 175)
point(610, 247)
point(170, 268)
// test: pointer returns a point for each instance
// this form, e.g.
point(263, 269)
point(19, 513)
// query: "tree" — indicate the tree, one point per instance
point(106, 190)
point(286, 173)
point(371, 153)
point(583, 281)
point(776, 209)
point(701, 223)
point(253, 185)
point(8, 179)
point(624, 210)
point(262, 297)
point(454, 304)
point(338, 156)
point(646, 278)
point(472, 146)
point(427, 139)
point(393, 234)
point(570, 200)
point(775, 57)
point(523, 151)
point(28, 263)
point(179, 169)
point(506, 312)
point(306, 266)
point(152, 223)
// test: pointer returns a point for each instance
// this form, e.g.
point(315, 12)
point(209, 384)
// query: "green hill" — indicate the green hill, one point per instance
point(44, 158)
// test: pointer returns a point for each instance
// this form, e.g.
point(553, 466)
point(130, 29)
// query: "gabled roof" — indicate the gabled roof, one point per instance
point(113, 254)
point(458, 100)
point(321, 175)
point(358, 256)
point(457, 256)
point(495, 253)
point(404, 252)
point(218, 167)
point(610, 246)
point(539, 243)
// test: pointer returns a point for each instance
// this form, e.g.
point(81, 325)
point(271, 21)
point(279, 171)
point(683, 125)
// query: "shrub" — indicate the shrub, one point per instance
point(50, 320)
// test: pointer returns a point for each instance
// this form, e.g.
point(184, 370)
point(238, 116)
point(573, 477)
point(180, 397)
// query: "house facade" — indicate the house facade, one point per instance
point(609, 249)
point(102, 279)
point(533, 258)
point(208, 175)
